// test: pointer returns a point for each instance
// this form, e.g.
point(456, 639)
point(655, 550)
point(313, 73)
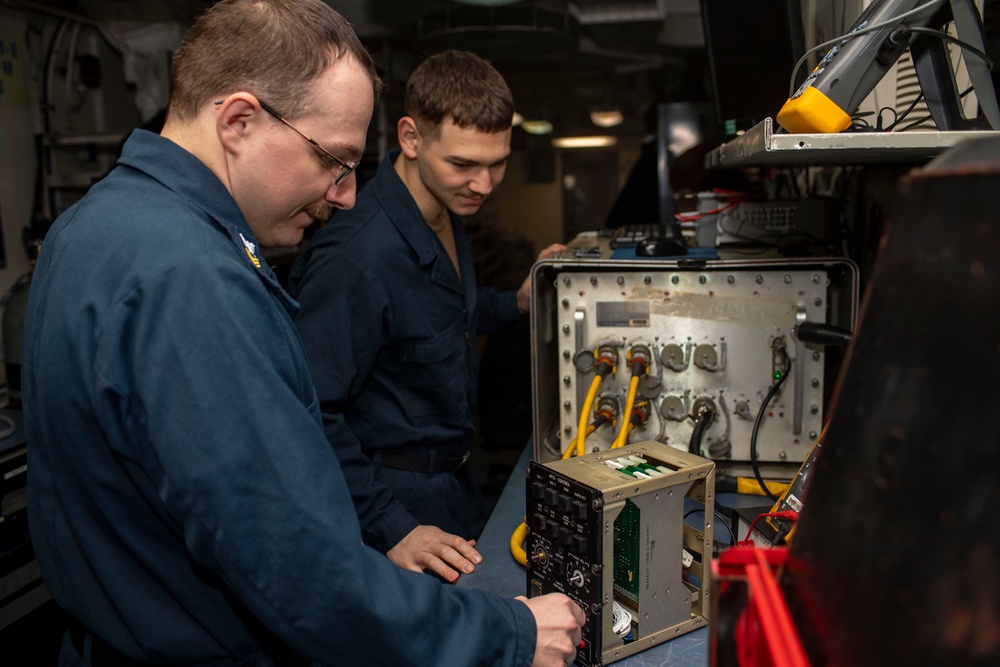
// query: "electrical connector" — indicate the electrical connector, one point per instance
point(788, 515)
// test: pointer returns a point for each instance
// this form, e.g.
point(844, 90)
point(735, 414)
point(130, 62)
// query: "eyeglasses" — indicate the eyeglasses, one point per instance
point(345, 167)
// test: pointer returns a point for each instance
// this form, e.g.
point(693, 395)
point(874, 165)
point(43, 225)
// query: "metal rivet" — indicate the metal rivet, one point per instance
point(647, 280)
point(593, 280)
point(788, 279)
point(818, 302)
point(703, 279)
point(675, 279)
point(731, 279)
point(565, 303)
point(567, 282)
point(759, 279)
point(621, 280)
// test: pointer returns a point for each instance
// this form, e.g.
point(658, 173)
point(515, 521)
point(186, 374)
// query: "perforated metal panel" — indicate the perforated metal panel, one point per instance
point(714, 332)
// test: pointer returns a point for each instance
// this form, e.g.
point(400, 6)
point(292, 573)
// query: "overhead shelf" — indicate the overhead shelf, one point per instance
point(760, 145)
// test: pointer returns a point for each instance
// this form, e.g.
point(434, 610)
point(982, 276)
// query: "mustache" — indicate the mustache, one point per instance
point(319, 212)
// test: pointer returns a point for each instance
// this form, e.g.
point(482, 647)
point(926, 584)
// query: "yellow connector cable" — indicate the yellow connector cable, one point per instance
point(581, 430)
point(517, 544)
point(633, 388)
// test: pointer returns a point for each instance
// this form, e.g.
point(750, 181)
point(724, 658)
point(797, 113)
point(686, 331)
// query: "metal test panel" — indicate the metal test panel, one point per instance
point(712, 328)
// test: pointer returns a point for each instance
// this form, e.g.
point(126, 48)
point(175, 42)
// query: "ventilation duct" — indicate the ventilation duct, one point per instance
point(510, 32)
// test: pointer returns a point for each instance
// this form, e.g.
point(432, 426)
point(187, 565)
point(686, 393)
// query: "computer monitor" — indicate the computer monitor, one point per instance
point(753, 46)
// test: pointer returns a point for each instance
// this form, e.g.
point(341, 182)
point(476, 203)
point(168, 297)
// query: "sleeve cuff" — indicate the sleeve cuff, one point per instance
point(507, 307)
point(393, 528)
point(527, 632)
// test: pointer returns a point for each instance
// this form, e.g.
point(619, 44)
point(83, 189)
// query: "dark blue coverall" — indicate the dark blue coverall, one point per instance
point(185, 505)
point(390, 332)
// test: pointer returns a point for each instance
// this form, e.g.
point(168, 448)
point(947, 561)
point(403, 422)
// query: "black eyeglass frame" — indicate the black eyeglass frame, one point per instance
point(345, 167)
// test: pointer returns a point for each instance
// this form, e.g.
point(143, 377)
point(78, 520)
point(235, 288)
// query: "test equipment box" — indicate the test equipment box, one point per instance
point(685, 352)
point(608, 530)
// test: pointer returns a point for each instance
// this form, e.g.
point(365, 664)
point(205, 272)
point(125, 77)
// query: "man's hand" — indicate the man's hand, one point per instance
point(430, 548)
point(558, 620)
point(524, 293)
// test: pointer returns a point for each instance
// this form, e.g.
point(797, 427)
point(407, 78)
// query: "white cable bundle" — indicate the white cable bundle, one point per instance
point(621, 619)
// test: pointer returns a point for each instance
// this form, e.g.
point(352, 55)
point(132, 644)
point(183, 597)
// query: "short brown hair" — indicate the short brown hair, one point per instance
point(272, 48)
point(461, 86)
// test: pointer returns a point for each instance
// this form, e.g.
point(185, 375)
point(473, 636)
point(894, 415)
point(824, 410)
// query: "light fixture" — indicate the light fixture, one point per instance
point(516, 120)
point(584, 142)
point(536, 126)
point(608, 118)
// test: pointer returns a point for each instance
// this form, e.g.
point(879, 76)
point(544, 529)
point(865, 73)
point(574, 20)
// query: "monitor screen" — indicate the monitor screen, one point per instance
point(752, 47)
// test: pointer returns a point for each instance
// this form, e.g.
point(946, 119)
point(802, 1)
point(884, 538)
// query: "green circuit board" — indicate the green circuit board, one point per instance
point(627, 529)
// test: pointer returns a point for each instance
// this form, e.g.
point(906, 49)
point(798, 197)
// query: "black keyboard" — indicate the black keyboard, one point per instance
point(630, 236)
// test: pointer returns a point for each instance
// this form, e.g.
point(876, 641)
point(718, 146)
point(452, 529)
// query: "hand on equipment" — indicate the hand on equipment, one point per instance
point(558, 620)
point(430, 548)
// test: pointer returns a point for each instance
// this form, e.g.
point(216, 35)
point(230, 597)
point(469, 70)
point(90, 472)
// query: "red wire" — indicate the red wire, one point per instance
point(784, 514)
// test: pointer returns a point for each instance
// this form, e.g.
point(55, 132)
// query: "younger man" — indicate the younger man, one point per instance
point(391, 311)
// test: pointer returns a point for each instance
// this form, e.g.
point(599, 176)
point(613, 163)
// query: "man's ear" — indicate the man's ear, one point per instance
point(237, 118)
point(409, 137)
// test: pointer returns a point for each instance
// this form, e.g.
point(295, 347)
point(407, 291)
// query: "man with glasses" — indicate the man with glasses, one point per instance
point(391, 311)
point(185, 505)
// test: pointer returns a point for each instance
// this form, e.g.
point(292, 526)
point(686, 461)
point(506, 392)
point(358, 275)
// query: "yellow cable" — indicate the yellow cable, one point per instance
point(633, 388)
point(581, 430)
point(517, 542)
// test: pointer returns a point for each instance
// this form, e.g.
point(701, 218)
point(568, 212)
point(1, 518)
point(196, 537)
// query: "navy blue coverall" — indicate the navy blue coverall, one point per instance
point(185, 505)
point(390, 332)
